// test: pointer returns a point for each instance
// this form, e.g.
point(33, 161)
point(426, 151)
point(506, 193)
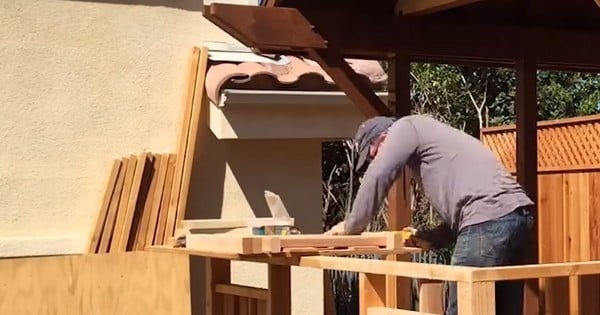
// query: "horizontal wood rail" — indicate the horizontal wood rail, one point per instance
point(392, 268)
point(476, 286)
point(242, 291)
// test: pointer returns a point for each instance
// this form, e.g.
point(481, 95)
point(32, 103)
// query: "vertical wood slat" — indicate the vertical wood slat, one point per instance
point(110, 190)
point(526, 108)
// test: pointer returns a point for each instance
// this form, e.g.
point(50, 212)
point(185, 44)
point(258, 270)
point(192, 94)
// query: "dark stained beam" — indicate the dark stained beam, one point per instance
point(420, 7)
point(265, 27)
point(527, 171)
point(380, 34)
point(350, 82)
point(399, 212)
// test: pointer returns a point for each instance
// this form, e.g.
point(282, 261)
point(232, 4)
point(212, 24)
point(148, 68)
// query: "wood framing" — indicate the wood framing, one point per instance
point(420, 7)
point(355, 34)
point(526, 110)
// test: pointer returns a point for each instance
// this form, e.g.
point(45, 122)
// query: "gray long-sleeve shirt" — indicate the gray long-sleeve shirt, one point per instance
point(462, 179)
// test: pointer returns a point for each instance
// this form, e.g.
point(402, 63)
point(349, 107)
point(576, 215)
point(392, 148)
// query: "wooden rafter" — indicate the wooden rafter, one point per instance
point(305, 40)
point(350, 82)
point(420, 7)
point(268, 29)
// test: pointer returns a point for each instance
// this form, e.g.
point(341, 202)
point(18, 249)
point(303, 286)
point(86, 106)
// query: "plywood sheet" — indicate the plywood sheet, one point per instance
point(128, 283)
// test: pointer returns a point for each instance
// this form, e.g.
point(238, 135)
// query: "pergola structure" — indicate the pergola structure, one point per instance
point(526, 35)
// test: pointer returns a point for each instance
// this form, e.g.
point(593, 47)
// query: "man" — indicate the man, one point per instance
point(484, 207)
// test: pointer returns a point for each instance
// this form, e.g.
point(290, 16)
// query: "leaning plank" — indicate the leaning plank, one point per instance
point(161, 174)
point(392, 311)
point(161, 235)
point(123, 204)
point(132, 204)
point(111, 216)
point(111, 186)
point(183, 143)
point(310, 243)
point(145, 203)
point(199, 111)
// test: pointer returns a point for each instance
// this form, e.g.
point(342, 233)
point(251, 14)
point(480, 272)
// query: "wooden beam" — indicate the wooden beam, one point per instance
point(420, 7)
point(279, 301)
point(247, 24)
point(395, 268)
point(350, 82)
point(399, 213)
point(476, 298)
point(526, 123)
point(381, 34)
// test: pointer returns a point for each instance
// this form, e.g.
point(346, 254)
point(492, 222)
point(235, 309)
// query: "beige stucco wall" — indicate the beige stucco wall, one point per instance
point(81, 83)
point(84, 82)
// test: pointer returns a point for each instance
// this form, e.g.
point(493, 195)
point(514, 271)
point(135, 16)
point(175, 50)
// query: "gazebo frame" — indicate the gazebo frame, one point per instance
point(526, 35)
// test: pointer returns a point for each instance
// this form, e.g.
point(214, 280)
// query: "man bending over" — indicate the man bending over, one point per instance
point(486, 210)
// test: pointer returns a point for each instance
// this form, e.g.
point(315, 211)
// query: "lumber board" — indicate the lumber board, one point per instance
point(183, 140)
point(534, 271)
point(476, 298)
point(162, 160)
point(254, 244)
point(132, 205)
point(161, 234)
point(111, 216)
point(110, 189)
point(199, 103)
point(146, 195)
point(116, 239)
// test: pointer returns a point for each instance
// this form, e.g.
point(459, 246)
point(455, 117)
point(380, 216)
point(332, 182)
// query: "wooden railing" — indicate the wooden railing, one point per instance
point(476, 286)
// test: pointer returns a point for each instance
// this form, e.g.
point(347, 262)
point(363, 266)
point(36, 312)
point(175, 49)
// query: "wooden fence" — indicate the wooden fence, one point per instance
point(568, 204)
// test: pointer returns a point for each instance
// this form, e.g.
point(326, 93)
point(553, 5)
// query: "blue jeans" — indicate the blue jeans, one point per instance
point(498, 242)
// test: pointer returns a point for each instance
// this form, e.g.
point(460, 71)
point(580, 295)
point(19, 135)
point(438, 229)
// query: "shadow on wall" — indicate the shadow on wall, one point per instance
point(189, 5)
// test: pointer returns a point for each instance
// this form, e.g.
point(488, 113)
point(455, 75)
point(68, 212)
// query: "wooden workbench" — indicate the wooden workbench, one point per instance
point(223, 297)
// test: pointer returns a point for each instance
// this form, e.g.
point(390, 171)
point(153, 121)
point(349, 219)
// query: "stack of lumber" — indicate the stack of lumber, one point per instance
point(307, 244)
point(135, 210)
point(146, 195)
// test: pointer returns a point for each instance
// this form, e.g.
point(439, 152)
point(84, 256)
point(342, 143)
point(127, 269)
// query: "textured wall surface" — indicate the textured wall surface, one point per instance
point(83, 82)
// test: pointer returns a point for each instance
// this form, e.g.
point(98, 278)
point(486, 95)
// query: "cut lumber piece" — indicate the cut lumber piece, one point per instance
point(145, 195)
point(162, 160)
point(187, 139)
point(111, 187)
point(306, 244)
point(161, 235)
point(111, 216)
point(132, 204)
point(392, 311)
point(199, 103)
point(123, 204)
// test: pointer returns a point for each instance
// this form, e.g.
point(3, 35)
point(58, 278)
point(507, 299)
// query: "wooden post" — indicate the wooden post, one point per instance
point(476, 298)
point(279, 301)
point(218, 271)
point(526, 125)
point(398, 290)
point(372, 291)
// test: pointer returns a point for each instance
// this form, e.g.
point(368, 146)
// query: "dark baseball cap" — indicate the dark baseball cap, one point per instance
point(368, 131)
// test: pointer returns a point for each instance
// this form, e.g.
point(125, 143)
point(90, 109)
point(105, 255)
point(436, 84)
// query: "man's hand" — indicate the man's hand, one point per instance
point(338, 229)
